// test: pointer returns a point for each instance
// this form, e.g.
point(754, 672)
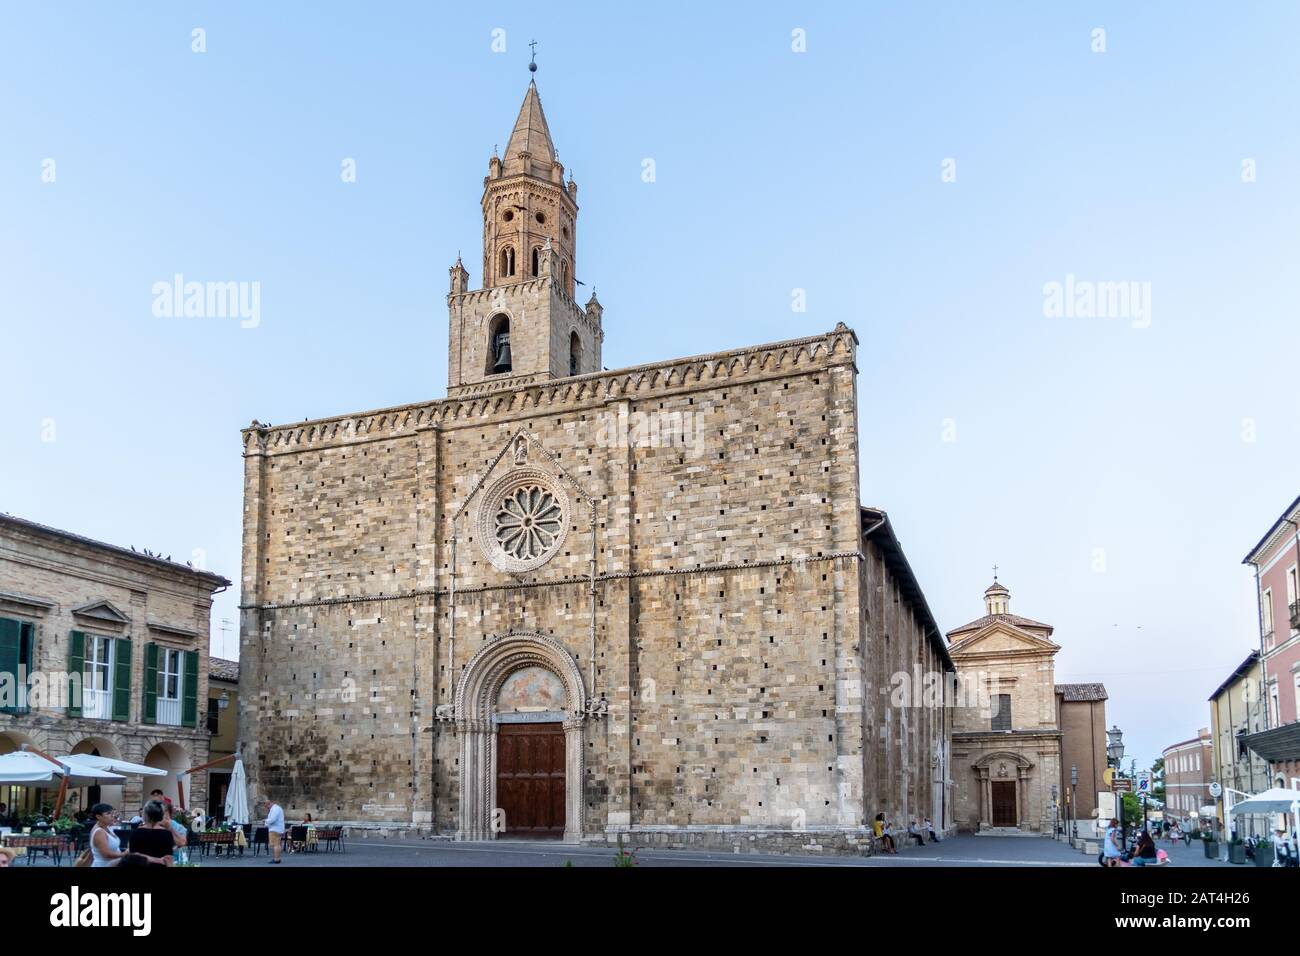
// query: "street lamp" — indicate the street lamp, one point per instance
point(1115, 746)
point(1115, 753)
point(1074, 782)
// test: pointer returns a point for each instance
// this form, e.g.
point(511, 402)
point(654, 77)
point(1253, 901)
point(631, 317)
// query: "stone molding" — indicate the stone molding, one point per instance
point(643, 381)
point(558, 582)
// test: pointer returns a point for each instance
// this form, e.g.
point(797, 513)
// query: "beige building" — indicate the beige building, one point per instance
point(1236, 711)
point(102, 650)
point(1006, 742)
point(578, 603)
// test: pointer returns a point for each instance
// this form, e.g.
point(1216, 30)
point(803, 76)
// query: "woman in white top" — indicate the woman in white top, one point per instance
point(105, 847)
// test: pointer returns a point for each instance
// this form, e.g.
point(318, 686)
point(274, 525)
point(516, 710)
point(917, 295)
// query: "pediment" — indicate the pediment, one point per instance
point(102, 612)
point(522, 450)
point(26, 603)
point(1001, 638)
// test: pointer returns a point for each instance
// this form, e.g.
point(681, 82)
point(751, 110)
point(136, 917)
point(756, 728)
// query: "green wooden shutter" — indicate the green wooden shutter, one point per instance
point(190, 692)
point(122, 679)
point(11, 644)
point(76, 672)
point(151, 683)
point(27, 656)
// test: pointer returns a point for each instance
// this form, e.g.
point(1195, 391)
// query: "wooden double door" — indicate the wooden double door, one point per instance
point(1004, 804)
point(530, 779)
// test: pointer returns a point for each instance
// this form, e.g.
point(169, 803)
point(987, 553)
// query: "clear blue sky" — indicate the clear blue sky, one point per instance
point(775, 171)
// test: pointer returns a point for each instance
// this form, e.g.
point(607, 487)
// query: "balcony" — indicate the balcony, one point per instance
point(1295, 616)
point(97, 704)
point(169, 711)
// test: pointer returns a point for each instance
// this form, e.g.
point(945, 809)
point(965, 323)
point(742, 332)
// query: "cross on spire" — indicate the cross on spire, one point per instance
point(532, 64)
point(995, 572)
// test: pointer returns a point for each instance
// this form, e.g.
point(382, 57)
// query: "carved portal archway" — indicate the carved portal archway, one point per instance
point(1008, 767)
point(477, 722)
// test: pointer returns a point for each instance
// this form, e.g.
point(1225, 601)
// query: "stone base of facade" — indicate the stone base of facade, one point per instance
point(831, 841)
point(852, 841)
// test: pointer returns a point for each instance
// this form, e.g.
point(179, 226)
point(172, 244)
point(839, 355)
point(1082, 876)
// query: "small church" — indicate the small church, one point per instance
point(564, 602)
point(1029, 754)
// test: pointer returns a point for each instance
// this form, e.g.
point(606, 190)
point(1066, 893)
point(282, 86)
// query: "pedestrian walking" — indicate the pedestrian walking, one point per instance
point(1111, 851)
point(274, 827)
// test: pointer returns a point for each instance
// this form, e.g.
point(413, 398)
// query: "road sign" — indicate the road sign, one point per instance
point(1216, 790)
point(1144, 782)
point(1122, 785)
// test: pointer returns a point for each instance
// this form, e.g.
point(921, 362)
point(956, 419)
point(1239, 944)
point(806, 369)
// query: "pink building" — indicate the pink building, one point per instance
point(1276, 560)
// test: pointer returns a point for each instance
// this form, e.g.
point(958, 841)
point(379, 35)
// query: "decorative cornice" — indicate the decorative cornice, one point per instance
point(557, 582)
point(641, 381)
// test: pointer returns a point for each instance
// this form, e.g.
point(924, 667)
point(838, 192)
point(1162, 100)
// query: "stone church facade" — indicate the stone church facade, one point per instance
point(579, 603)
point(1007, 739)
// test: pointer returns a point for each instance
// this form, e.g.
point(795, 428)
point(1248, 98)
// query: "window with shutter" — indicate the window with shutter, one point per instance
point(190, 703)
point(1002, 712)
point(76, 669)
point(15, 665)
point(122, 680)
point(150, 714)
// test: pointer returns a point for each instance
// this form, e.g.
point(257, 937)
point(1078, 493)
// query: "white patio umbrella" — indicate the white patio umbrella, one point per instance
point(237, 795)
point(1276, 800)
point(91, 763)
point(24, 768)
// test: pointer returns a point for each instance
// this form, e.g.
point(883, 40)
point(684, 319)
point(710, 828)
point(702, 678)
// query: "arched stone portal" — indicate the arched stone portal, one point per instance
point(171, 757)
point(478, 720)
point(89, 796)
point(1004, 789)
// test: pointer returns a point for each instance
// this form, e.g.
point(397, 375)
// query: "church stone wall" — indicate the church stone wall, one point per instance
point(738, 661)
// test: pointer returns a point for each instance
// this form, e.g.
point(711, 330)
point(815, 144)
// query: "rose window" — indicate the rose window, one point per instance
point(528, 522)
point(522, 520)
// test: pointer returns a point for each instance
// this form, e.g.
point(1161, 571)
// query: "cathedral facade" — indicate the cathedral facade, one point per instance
point(585, 604)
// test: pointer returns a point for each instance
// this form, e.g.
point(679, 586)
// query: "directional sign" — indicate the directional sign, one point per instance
point(1122, 784)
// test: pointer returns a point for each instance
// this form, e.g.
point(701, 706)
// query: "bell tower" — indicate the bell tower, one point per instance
point(524, 324)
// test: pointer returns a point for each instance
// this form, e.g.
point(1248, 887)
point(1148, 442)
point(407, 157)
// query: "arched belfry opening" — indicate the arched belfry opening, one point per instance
point(499, 357)
point(575, 354)
point(507, 262)
point(536, 264)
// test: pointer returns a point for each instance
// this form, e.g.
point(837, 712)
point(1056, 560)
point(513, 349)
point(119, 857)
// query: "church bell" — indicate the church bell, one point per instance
point(503, 354)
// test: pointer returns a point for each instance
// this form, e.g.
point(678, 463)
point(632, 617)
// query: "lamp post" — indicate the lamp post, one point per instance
point(1115, 757)
point(1074, 827)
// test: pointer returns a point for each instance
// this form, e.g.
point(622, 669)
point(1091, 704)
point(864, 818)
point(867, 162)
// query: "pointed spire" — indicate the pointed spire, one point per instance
point(530, 136)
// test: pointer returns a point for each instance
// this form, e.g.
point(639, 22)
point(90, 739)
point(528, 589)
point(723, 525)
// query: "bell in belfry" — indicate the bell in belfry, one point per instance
point(503, 354)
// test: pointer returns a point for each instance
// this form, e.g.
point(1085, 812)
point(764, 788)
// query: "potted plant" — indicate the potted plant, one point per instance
point(1236, 850)
point(1263, 853)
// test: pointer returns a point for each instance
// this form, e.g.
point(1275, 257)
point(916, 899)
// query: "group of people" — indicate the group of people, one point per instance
point(105, 845)
point(916, 830)
point(1142, 853)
